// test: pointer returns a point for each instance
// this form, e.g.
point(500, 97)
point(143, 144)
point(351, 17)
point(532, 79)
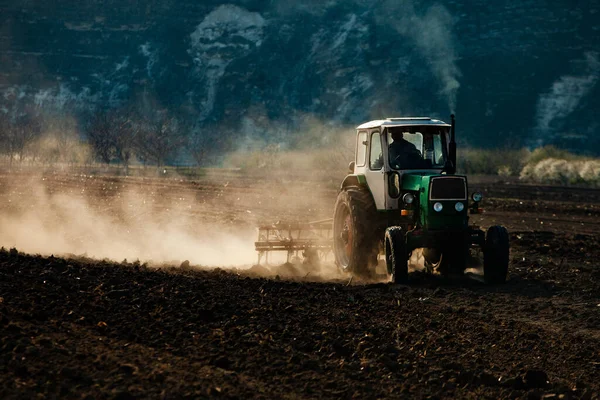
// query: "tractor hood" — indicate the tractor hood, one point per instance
point(414, 181)
point(447, 191)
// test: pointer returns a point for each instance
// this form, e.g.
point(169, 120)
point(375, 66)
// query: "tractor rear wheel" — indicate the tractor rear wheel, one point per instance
point(496, 255)
point(355, 245)
point(396, 254)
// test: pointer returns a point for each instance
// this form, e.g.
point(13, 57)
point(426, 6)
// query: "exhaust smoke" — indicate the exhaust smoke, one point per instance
point(432, 36)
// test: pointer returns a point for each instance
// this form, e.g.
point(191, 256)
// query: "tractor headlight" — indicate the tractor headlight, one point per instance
point(477, 197)
point(438, 207)
point(408, 198)
point(459, 206)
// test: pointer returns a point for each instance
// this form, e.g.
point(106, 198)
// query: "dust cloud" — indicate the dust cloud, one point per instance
point(208, 219)
point(126, 225)
point(164, 222)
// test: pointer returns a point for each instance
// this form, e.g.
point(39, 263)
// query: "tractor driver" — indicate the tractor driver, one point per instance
point(403, 154)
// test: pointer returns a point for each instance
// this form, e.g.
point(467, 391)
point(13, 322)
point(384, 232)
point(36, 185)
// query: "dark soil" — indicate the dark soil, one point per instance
point(82, 328)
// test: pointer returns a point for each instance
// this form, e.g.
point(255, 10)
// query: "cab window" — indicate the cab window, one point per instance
point(438, 151)
point(361, 149)
point(417, 147)
point(376, 156)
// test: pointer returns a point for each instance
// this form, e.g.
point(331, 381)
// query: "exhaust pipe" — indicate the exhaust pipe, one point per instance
point(452, 147)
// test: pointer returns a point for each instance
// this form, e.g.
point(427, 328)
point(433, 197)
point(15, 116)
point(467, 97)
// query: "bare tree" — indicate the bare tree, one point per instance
point(124, 132)
point(30, 128)
point(4, 127)
point(61, 141)
point(158, 139)
point(201, 145)
point(100, 136)
point(17, 133)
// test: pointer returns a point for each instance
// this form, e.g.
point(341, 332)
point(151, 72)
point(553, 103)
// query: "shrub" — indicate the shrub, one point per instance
point(505, 171)
point(546, 152)
point(563, 172)
point(504, 162)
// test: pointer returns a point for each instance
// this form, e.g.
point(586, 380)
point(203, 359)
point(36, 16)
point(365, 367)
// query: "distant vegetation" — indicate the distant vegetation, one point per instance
point(563, 172)
point(543, 165)
point(146, 136)
point(128, 137)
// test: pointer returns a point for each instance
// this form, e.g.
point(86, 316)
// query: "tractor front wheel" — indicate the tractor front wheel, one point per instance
point(396, 254)
point(496, 255)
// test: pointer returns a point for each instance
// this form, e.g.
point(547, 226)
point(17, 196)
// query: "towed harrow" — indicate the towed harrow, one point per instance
point(312, 240)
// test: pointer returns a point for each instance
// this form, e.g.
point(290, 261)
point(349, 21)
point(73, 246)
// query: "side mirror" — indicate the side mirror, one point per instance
point(351, 167)
point(394, 185)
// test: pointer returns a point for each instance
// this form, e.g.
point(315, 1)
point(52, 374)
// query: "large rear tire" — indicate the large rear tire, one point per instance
point(355, 244)
point(496, 255)
point(396, 254)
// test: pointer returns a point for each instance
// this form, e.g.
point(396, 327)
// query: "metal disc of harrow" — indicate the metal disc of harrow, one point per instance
point(313, 241)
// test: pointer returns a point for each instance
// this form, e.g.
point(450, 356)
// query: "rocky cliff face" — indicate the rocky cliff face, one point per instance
point(516, 74)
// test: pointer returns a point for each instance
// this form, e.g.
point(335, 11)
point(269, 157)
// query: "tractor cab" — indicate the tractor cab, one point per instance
point(387, 150)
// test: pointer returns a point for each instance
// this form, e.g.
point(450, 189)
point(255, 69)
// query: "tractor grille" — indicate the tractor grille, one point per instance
point(448, 188)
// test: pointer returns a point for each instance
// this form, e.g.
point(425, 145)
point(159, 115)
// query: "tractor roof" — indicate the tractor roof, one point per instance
point(406, 121)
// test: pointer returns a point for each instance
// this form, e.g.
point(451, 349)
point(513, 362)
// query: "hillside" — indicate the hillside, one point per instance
point(515, 73)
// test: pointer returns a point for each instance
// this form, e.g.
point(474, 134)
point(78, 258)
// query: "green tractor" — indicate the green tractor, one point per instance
point(403, 194)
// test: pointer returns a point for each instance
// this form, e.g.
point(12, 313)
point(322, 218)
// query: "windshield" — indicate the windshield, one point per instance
point(417, 147)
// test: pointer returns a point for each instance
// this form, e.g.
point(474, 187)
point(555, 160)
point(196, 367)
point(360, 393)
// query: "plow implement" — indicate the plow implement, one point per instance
point(311, 242)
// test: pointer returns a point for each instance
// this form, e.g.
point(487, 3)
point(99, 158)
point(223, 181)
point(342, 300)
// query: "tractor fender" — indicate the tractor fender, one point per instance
point(354, 180)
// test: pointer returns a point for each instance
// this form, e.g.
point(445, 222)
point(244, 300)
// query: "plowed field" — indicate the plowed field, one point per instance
point(78, 325)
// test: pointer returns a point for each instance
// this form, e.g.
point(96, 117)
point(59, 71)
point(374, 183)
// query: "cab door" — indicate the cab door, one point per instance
point(375, 171)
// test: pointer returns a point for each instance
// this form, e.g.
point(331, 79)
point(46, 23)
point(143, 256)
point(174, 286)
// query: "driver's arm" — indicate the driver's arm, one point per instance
point(414, 150)
point(393, 155)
